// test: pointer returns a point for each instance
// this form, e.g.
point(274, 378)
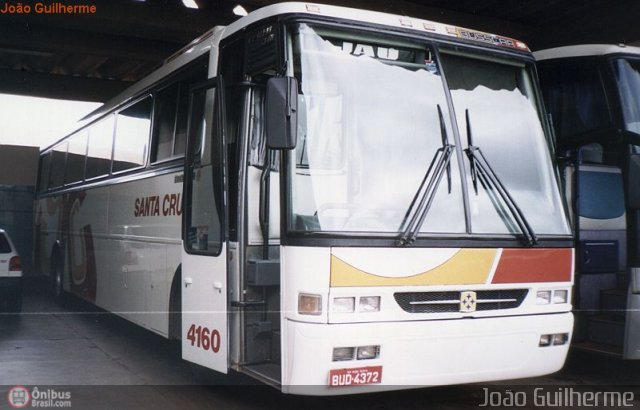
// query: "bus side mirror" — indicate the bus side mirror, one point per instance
point(282, 113)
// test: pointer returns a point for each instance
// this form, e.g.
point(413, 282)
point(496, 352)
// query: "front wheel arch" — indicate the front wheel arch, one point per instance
point(175, 306)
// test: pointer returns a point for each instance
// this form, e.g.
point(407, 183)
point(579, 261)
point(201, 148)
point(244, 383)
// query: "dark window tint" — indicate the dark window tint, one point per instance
point(45, 165)
point(194, 75)
point(601, 194)
point(203, 179)
point(574, 96)
point(233, 75)
point(165, 122)
point(628, 79)
point(171, 112)
point(182, 118)
point(132, 136)
point(4, 244)
point(56, 176)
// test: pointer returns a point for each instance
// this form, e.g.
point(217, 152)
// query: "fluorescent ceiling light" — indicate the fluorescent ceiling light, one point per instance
point(239, 11)
point(190, 4)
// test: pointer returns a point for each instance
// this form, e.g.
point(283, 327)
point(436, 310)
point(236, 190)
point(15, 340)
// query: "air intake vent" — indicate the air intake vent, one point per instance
point(447, 302)
point(262, 49)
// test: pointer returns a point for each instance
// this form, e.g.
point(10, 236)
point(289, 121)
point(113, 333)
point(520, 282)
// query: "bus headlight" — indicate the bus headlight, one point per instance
point(560, 296)
point(369, 304)
point(560, 338)
point(556, 339)
point(344, 305)
point(545, 340)
point(543, 297)
point(546, 297)
point(340, 354)
point(368, 352)
point(309, 304)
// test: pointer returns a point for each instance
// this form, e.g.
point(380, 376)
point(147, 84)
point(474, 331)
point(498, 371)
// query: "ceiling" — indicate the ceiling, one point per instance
point(93, 57)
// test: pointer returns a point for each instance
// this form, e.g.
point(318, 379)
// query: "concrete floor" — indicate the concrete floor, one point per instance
point(106, 362)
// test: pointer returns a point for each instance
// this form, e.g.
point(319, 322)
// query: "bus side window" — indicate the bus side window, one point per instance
point(45, 164)
point(171, 113)
point(165, 123)
point(196, 75)
point(132, 136)
point(231, 63)
point(203, 201)
point(575, 96)
point(58, 160)
point(258, 136)
point(76, 155)
point(99, 150)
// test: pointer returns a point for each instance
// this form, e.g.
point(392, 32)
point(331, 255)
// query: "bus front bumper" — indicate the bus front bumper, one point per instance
point(421, 353)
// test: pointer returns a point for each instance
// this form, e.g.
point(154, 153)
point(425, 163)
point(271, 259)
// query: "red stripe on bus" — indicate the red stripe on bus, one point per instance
point(534, 265)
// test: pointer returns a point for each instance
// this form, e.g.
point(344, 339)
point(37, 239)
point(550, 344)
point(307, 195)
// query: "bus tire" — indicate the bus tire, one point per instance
point(175, 306)
point(57, 278)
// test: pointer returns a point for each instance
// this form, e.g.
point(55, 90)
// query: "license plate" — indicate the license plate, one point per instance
point(355, 376)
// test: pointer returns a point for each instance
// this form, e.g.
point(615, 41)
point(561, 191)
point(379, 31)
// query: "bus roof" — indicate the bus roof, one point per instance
point(584, 50)
point(374, 17)
point(205, 42)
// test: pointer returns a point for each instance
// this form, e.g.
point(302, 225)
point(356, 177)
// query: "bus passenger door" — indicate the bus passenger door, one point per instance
point(204, 267)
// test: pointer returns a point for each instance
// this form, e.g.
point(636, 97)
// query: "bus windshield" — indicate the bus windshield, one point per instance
point(495, 101)
point(369, 129)
point(628, 79)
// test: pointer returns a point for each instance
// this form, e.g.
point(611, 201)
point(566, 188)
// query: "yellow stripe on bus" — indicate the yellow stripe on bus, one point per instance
point(466, 267)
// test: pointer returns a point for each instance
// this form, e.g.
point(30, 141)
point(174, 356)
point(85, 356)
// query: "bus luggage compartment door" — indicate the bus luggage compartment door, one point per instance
point(204, 318)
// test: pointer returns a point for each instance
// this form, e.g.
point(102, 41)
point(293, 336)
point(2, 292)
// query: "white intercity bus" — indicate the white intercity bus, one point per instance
point(330, 200)
point(592, 92)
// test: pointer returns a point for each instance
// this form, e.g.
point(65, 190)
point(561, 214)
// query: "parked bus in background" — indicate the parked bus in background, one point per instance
point(593, 95)
point(365, 202)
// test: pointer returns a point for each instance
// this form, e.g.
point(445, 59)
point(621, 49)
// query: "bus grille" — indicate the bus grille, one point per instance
point(445, 302)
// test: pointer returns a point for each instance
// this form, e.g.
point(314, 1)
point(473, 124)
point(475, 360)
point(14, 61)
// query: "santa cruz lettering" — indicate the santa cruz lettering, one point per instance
point(154, 205)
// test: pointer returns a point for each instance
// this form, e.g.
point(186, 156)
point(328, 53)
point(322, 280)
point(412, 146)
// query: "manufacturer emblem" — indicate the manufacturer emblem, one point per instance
point(467, 301)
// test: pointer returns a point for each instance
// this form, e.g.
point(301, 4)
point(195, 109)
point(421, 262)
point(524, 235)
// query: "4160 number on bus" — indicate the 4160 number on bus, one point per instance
point(204, 338)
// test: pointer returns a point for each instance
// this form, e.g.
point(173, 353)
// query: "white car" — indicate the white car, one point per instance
point(10, 275)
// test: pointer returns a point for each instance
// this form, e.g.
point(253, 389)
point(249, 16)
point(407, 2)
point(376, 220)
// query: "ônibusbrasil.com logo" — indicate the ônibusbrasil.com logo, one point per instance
point(19, 397)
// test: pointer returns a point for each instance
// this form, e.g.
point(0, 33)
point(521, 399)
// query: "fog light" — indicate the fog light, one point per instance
point(368, 352)
point(560, 339)
point(344, 305)
point(543, 297)
point(340, 354)
point(309, 304)
point(369, 304)
point(560, 296)
point(545, 340)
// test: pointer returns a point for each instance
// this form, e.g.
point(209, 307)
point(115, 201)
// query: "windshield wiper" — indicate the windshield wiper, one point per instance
point(481, 171)
point(440, 164)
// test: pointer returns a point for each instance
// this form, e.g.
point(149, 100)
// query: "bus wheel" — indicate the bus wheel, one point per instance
point(58, 278)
